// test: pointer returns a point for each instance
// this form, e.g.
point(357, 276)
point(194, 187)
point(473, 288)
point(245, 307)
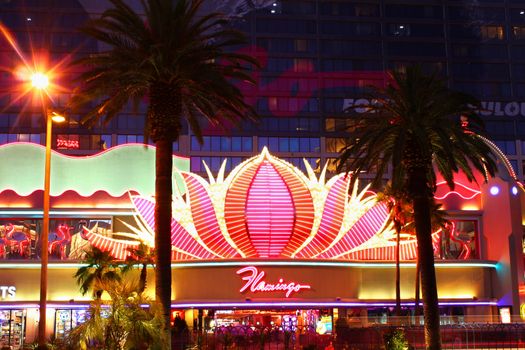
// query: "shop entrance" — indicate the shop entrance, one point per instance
point(12, 329)
point(318, 321)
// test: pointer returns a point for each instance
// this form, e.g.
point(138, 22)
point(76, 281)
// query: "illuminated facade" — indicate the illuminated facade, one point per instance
point(264, 237)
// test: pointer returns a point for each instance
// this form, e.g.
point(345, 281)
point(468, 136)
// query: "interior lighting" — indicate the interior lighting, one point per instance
point(494, 190)
point(514, 190)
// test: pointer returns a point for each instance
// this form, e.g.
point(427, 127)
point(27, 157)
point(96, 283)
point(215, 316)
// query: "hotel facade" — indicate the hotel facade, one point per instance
point(264, 244)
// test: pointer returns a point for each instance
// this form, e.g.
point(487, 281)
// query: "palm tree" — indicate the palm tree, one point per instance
point(100, 267)
point(177, 59)
point(121, 322)
point(412, 125)
point(399, 209)
point(438, 222)
point(142, 255)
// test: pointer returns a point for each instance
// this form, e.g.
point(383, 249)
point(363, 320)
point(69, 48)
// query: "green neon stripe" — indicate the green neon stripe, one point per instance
point(487, 264)
point(116, 171)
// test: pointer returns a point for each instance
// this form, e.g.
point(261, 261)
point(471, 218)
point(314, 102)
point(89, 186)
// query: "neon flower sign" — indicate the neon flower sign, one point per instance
point(267, 208)
point(256, 284)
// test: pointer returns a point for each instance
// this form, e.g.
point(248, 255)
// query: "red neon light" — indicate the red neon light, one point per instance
point(464, 192)
point(68, 144)
point(333, 214)
point(269, 212)
point(255, 283)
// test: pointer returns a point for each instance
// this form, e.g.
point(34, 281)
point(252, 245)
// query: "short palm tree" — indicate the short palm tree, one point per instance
point(413, 127)
point(121, 322)
point(142, 255)
point(400, 210)
point(100, 267)
point(178, 60)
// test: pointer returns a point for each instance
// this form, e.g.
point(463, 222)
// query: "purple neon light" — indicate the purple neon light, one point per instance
point(322, 304)
point(261, 304)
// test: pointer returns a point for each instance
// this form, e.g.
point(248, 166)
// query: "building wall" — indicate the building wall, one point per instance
point(318, 57)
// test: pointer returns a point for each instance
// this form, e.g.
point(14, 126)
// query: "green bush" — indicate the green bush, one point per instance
point(395, 340)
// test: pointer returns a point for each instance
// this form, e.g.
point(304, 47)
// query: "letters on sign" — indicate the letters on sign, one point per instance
point(254, 282)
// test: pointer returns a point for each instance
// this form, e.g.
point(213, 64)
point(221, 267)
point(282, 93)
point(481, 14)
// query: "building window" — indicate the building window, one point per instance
point(298, 162)
point(223, 144)
point(122, 139)
point(492, 32)
point(213, 163)
point(507, 147)
point(459, 241)
point(340, 124)
point(9, 138)
point(399, 29)
point(301, 45)
point(290, 144)
point(518, 32)
point(335, 144)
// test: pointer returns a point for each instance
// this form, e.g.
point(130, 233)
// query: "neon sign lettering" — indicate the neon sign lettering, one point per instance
point(7, 291)
point(256, 284)
point(69, 144)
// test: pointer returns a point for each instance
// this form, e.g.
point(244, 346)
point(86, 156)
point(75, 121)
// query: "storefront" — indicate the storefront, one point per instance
point(265, 245)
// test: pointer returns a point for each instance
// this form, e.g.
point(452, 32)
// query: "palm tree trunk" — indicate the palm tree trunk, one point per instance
point(416, 298)
point(426, 260)
point(143, 277)
point(163, 192)
point(398, 273)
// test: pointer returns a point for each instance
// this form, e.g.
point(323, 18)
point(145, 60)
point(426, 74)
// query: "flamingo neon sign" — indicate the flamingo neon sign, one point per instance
point(254, 282)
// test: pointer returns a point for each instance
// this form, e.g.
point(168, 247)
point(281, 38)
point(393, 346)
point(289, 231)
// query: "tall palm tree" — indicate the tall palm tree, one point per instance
point(412, 125)
point(100, 267)
point(177, 60)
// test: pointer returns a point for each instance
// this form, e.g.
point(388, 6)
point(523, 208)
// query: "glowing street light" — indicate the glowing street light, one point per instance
point(40, 81)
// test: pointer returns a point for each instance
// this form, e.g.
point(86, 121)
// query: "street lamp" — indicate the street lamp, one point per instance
point(40, 81)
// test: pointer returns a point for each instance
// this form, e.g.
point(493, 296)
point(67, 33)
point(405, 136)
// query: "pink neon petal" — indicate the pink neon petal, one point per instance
point(119, 249)
point(330, 225)
point(365, 228)
point(205, 218)
point(180, 238)
point(407, 251)
point(269, 212)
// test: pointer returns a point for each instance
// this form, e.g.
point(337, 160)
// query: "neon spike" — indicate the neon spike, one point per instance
point(473, 192)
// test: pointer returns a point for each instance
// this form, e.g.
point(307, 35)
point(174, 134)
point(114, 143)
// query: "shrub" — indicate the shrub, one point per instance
point(395, 340)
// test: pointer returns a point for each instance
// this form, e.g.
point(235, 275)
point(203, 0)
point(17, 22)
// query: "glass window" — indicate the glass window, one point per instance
point(492, 32)
point(294, 144)
point(416, 49)
point(507, 147)
point(215, 143)
point(332, 8)
point(411, 11)
point(226, 143)
point(399, 29)
point(518, 32)
point(459, 241)
point(335, 144)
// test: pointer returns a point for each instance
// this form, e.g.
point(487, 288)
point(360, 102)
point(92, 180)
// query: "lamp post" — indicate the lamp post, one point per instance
point(40, 82)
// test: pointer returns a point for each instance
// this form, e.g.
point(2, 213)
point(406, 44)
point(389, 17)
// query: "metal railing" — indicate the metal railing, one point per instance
point(454, 336)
